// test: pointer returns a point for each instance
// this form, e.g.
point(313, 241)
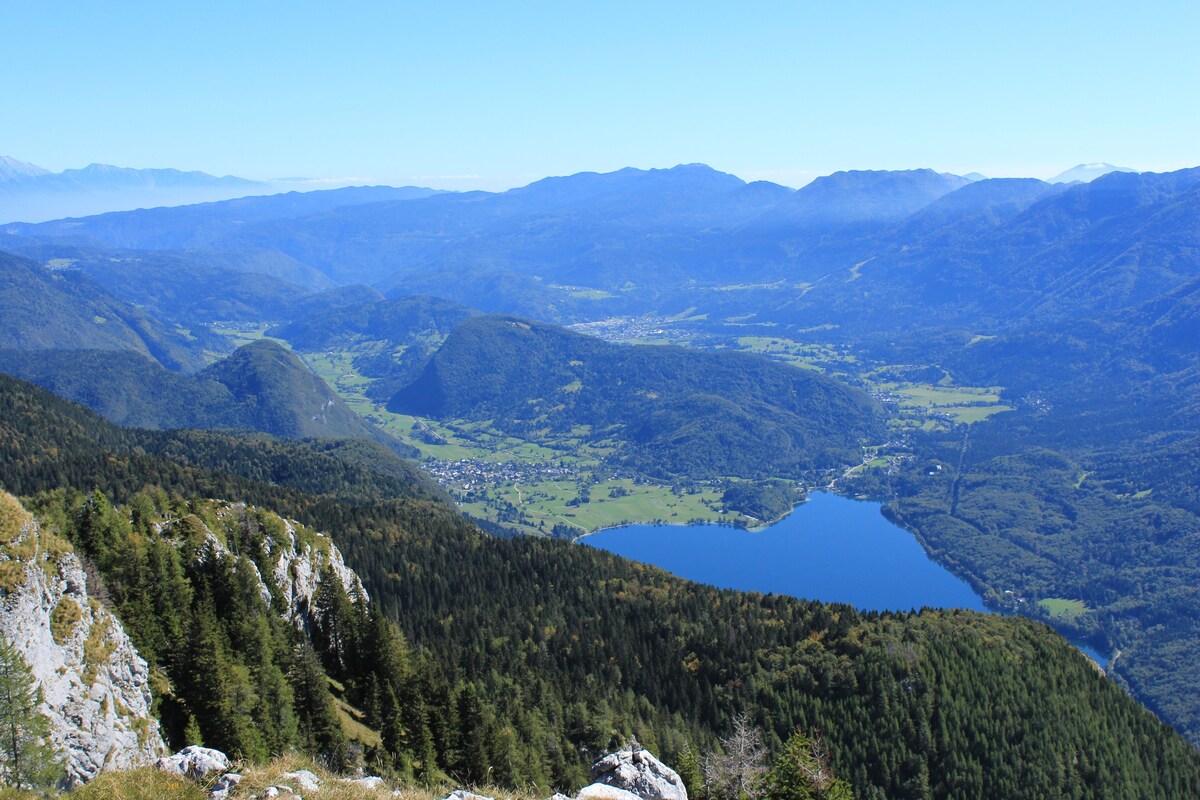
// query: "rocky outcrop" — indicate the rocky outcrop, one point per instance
point(637, 772)
point(298, 564)
point(194, 763)
point(95, 686)
point(293, 558)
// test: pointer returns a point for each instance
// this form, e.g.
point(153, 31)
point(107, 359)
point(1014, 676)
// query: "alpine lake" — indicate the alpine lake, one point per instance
point(830, 548)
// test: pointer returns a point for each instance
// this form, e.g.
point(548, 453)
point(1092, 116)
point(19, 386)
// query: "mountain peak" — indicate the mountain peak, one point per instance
point(867, 196)
point(1086, 173)
point(13, 170)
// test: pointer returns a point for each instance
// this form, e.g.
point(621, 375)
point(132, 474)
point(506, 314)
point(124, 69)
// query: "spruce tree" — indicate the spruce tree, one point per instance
point(27, 760)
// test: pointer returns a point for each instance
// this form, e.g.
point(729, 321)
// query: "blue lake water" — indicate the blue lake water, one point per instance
point(830, 548)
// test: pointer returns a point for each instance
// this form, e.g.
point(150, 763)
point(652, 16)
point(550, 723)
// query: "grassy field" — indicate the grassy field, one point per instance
point(536, 505)
point(239, 335)
point(963, 404)
point(542, 505)
point(1061, 608)
point(799, 354)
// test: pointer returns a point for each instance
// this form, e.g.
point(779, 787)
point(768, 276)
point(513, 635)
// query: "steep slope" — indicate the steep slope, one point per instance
point(1086, 249)
point(275, 392)
point(191, 289)
point(95, 686)
point(674, 410)
point(47, 442)
point(42, 309)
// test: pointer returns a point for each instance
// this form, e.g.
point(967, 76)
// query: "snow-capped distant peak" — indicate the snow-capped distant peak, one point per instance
point(13, 170)
point(1088, 172)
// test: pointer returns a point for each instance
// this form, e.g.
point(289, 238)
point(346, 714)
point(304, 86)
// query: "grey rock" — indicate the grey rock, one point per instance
point(99, 709)
point(639, 772)
point(559, 796)
point(463, 794)
point(195, 763)
point(297, 570)
point(306, 780)
point(602, 791)
point(280, 790)
point(225, 785)
point(293, 567)
point(372, 782)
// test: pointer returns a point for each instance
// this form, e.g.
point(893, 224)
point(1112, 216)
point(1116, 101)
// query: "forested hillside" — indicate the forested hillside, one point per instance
point(526, 657)
point(45, 309)
point(669, 411)
point(259, 387)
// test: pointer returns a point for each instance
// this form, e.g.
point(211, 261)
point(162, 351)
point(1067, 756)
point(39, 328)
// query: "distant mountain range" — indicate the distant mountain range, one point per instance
point(29, 193)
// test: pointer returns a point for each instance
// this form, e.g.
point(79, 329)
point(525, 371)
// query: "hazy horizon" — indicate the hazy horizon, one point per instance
point(475, 96)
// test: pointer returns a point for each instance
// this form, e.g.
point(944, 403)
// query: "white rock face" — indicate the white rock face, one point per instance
point(463, 794)
point(195, 763)
point(95, 686)
point(298, 569)
point(639, 772)
point(294, 566)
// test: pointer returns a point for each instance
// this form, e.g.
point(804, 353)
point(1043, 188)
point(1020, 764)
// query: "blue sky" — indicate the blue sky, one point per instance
point(491, 95)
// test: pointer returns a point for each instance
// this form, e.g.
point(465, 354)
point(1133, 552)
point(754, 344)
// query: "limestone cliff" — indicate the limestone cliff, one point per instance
point(287, 558)
point(94, 684)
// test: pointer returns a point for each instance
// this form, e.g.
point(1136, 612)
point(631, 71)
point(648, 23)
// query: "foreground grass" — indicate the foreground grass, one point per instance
point(148, 783)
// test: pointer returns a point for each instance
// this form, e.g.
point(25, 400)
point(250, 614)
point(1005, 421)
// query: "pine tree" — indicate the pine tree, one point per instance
point(689, 772)
point(803, 772)
point(472, 751)
point(26, 758)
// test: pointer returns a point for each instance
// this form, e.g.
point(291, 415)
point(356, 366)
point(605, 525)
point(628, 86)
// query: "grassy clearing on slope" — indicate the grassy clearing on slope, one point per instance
point(1062, 608)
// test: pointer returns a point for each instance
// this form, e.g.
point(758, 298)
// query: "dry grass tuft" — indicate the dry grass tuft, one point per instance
point(139, 784)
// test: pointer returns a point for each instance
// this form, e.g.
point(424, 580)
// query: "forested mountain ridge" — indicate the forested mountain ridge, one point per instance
point(391, 339)
point(43, 309)
point(201, 225)
point(261, 386)
point(675, 411)
point(938, 705)
point(1085, 249)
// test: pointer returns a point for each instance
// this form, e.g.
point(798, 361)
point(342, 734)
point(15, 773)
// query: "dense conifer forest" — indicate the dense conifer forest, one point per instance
point(521, 660)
